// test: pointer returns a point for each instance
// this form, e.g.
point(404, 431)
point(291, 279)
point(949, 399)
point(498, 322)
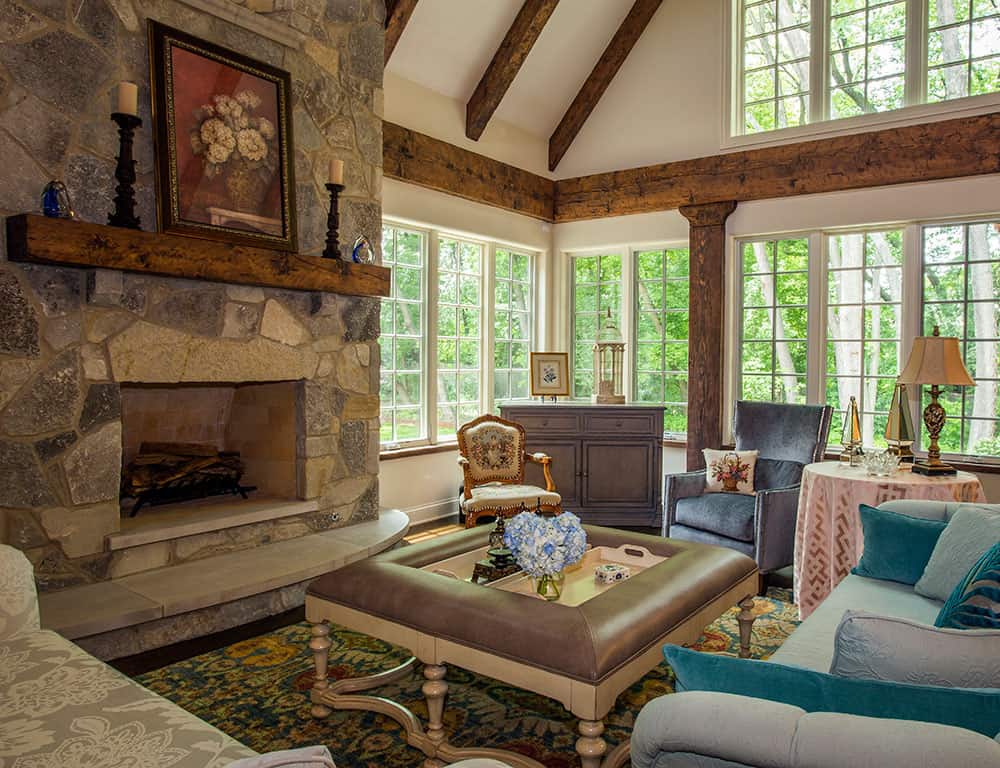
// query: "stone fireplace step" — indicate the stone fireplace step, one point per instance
point(203, 516)
point(96, 608)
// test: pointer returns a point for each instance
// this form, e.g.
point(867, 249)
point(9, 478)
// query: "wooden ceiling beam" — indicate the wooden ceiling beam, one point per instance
point(428, 162)
point(600, 78)
point(506, 63)
point(965, 146)
point(397, 16)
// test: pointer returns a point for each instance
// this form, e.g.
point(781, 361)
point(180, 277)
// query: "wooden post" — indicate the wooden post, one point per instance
point(705, 341)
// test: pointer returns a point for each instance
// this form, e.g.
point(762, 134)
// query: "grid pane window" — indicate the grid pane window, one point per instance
point(961, 277)
point(864, 318)
point(774, 348)
point(401, 341)
point(597, 287)
point(867, 56)
point(459, 334)
point(661, 332)
point(512, 304)
point(775, 45)
point(963, 48)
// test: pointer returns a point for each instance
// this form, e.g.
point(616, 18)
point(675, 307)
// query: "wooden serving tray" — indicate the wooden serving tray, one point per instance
point(581, 585)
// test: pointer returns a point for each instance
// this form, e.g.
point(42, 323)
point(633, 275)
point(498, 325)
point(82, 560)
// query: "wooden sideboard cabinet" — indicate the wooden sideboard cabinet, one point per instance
point(607, 460)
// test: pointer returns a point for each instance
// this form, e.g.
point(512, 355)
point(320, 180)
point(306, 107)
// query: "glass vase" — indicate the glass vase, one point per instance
point(549, 586)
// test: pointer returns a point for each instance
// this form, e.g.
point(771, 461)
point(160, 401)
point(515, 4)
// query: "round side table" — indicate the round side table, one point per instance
point(828, 536)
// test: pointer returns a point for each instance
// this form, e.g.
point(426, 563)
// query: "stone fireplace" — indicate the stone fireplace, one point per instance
point(93, 361)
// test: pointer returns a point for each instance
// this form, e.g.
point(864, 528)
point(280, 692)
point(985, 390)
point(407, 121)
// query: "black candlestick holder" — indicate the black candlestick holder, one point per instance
point(124, 213)
point(332, 250)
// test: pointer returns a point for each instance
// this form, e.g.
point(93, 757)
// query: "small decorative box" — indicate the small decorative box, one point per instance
point(609, 573)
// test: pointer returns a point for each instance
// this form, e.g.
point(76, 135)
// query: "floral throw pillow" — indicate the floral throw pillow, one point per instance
point(730, 471)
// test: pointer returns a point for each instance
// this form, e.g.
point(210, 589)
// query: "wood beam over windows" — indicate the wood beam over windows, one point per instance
point(965, 146)
point(705, 325)
point(428, 162)
point(397, 16)
point(600, 78)
point(506, 63)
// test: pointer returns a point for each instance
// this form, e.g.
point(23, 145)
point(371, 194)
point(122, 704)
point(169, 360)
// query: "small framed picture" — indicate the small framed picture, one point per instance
point(223, 137)
point(550, 374)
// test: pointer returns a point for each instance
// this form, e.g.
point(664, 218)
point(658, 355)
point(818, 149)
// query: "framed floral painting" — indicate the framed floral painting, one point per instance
point(223, 139)
point(550, 374)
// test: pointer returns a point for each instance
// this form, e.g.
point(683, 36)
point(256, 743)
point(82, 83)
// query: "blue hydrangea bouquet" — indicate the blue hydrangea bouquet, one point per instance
point(544, 546)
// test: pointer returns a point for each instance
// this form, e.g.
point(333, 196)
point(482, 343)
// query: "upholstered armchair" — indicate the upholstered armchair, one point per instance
point(492, 461)
point(763, 525)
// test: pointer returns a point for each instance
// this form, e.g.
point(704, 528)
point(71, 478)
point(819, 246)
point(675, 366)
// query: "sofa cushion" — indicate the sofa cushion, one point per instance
point(899, 650)
point(811, 644)
point(971, 531)
point(18, 601)
point(61, 706)
point(975, 709)
point(975, 602)
point(777, 473)
point(897, 547)
point(727, 514)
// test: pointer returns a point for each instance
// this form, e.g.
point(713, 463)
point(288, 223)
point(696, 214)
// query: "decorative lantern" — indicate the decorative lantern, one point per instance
point(851, 439)
point(899, 428)
point(609, 362)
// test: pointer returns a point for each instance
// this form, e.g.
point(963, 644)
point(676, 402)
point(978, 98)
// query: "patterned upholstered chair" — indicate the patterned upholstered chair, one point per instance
point(763, 525)
point(492, 460)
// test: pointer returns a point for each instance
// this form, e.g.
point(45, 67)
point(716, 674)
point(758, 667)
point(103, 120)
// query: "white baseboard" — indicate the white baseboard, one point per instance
point(434, 510)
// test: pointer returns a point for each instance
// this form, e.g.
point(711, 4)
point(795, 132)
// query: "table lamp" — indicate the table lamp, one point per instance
point(935, 360)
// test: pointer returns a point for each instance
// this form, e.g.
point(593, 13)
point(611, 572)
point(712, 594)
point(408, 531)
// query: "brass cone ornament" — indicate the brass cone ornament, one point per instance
point(899, 429)
point(851, 438)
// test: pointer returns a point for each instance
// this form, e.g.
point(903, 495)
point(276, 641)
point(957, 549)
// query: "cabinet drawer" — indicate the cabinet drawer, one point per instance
point(623, 423)
point(536, 424)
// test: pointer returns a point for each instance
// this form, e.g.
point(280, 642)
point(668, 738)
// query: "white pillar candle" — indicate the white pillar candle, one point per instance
point(336, 171)
point(128, 98)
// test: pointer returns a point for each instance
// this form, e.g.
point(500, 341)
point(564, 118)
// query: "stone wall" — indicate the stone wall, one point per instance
point(69, 337)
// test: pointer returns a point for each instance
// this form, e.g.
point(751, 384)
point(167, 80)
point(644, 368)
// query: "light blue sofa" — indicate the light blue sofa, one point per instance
point(699, 729)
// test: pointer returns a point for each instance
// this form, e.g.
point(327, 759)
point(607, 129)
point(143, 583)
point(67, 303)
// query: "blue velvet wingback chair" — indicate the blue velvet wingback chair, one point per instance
point(762, 526)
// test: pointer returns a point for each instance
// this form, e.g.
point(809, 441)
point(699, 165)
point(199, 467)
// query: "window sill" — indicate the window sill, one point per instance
point(418, 450)
point(669, 442)
point(969, 106)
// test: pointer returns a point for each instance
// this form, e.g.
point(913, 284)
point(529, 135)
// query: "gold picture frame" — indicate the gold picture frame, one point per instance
point(550, 374)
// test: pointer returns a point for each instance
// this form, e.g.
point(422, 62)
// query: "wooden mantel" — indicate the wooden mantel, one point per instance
point(68, 243)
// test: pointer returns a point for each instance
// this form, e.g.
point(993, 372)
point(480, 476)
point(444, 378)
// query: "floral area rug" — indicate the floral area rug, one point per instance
point(257, 691)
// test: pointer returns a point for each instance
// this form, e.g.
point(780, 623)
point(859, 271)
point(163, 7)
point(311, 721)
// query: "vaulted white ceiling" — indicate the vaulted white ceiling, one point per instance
point(448, 44)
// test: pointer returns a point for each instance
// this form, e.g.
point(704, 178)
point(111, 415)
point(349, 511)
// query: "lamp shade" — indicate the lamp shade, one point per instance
point(936, 360)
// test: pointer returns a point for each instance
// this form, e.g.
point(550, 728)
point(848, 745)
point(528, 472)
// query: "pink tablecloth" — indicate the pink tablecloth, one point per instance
point(828, 536)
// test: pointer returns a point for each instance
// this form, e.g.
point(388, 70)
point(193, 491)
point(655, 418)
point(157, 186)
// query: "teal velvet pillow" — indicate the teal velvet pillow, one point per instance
point(897, 547)
point(975, 601)
point(977, 709)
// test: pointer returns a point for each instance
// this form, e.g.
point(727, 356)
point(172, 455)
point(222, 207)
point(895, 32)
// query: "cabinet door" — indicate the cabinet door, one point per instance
point(565, 468)
point(619, 474)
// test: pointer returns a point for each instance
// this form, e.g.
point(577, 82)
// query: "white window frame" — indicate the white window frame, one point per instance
point(911, 314)
point(916, 109)
point(629, 310)
point(432, 237)
point(490, 316)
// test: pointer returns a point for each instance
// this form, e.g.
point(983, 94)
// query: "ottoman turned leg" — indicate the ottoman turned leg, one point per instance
point(320, 646)
point(434, 690)
point(746, 618)
point(590, 746)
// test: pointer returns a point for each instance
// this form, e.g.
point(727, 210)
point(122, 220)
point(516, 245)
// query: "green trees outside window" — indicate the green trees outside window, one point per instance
point(661, 333)
point(961, 284)
point(402, 340)
point(597, 287)
point(512, 302)
point(459, 334)
point(806, 61)
point(774, 348)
